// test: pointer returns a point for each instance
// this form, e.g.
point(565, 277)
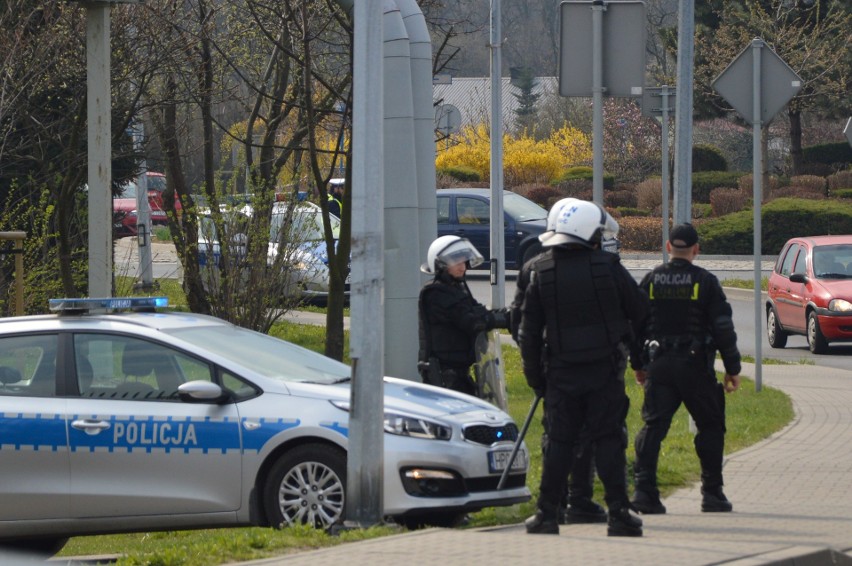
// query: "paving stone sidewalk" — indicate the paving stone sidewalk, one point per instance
point(791, 494)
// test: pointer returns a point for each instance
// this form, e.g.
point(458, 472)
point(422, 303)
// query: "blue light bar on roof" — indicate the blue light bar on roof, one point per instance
point(112, 303)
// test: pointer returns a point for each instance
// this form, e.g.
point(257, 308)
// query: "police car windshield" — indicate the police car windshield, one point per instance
point(268, 356)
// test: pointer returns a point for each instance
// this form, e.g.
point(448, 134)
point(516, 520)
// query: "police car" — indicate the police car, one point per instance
point(144, 420)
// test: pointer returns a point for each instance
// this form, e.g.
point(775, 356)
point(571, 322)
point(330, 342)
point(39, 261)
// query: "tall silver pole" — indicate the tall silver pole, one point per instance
point(365, 464)
point(597, 101)
point(100, 148)
point(498, 259)
point(757, 176)
point(143, 216)
point(666, 179)
point(683, 115)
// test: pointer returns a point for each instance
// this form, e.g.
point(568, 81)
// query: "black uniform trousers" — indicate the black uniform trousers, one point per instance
point(584, 403)
point(675, 378)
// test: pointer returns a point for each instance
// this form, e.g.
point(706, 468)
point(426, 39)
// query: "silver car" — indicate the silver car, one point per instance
point(134, 421)
point(296, 235)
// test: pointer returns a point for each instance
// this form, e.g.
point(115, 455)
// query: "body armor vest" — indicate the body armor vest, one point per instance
point(676, 309)
point(585, 320)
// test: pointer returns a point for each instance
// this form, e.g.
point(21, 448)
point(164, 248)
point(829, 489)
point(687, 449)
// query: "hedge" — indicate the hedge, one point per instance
point(828, 153)
point(705, 181)
point(708, 158)
point(781, 220)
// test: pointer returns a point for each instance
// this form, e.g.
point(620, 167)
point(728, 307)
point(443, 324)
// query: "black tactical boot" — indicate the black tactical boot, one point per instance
point(539, 525)
point(647, 504)
point(582, 511)
point(713, 500)
point(623, 524)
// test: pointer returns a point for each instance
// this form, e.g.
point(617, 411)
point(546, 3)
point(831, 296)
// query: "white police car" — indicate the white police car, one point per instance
point(139, 421)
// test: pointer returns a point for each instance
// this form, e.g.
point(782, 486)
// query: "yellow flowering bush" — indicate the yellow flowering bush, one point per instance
point(525, 159)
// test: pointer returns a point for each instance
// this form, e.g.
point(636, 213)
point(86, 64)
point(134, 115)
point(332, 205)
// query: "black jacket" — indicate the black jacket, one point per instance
point(587, 297)
point(688, 304)
point(450, 319)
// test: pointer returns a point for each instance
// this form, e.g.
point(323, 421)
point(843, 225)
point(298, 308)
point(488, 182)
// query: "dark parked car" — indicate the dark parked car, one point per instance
point(810, 292)
point(466, 213)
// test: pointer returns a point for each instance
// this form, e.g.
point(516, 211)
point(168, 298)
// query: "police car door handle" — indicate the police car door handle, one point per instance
point(91, 426)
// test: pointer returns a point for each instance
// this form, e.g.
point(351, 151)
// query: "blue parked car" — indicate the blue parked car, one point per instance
point(466, 213)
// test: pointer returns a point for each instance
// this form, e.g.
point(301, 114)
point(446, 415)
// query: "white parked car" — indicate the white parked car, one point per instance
point(139, 421)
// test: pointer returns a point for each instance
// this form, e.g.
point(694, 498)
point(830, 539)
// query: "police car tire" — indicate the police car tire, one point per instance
point(307, 486)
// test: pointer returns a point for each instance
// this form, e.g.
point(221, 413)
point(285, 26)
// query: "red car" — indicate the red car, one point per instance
point(810, 292)
point(124, 207)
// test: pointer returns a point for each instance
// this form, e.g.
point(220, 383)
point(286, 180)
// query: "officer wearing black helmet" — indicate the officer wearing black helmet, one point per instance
point(689, 320)
point(579, 308)
point(450, 318)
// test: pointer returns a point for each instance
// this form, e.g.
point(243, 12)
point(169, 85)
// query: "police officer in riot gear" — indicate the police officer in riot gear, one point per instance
point(689, 320)
point(577, 506)
point(450, 318)
point(579, 308)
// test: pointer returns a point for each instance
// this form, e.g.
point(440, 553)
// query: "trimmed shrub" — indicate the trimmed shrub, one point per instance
point(708, 158)
point(705, 181)
point(796, 192)
point(774, 183)
point(702, 210)
point(622, 198)
point(831, 154)
point(840, 180)
point(814, 183)
point(577, 188)
point(541, 195)
point(649, 193)
point(642, 234)
point(725, 201)
point(582, 173)
point(630, 211)
point(842, 193)
point(781, 220)
point(460, 173)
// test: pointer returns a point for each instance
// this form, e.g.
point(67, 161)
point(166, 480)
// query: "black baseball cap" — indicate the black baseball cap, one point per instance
point(683, 236)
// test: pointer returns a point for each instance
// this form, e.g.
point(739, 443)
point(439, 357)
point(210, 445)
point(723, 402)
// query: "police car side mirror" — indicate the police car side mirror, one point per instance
point(202, 392)
point(799, 278)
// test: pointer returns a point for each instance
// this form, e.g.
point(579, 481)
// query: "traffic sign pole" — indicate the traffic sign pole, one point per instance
point(757, 178)
point(597, 101)
point(758, 89)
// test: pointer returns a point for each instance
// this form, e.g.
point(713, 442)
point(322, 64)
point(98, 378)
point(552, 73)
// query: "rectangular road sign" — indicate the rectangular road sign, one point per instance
point(623, 48)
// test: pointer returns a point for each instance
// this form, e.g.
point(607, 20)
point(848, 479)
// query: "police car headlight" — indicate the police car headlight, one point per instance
point(416, 428)
point(840, 305)
point(408, 426)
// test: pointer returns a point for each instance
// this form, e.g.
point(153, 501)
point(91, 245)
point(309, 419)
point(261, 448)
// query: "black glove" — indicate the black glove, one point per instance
point(500, 318)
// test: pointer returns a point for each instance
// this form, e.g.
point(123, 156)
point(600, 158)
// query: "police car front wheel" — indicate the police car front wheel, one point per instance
point(306, 486)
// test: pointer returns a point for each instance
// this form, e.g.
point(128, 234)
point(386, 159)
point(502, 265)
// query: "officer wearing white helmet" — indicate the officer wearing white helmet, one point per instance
point(450, 318)
point(579, 309)
point(577, 506)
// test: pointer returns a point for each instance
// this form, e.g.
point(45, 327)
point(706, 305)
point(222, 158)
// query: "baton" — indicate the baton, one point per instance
point(518, 442)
